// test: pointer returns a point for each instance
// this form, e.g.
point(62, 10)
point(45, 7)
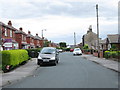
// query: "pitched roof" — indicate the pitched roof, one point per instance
point(113, 38)
point(8, 26)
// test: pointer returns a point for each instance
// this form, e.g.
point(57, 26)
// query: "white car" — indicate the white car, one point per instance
point(77, 51)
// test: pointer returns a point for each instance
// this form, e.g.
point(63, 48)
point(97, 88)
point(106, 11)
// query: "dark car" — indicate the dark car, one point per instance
point(48, 55)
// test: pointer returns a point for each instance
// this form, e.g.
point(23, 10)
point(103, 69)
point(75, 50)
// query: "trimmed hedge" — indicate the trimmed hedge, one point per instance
point(111, 54)
point(13, 58)
point(33, 53)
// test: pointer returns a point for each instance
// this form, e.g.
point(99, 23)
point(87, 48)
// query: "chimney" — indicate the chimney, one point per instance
point(29, 32)
point(36, 34)
point(20, 28)
point(9, 23)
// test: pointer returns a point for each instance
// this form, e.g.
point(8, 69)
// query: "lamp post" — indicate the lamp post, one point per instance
point(43, 37)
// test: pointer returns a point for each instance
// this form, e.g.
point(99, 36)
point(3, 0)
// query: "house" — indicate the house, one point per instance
point(8, 36)
point(30, 40)
point(113, 39)
point(20, 37)
point(89, 38)
point(37, 41)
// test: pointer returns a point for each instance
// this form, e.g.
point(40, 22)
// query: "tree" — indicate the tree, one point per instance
point(62, 44)
point(85, 46)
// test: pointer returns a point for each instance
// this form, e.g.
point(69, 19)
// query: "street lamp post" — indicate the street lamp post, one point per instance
point(43, 37)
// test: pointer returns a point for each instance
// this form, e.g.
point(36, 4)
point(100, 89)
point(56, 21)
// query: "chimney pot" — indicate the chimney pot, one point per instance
point(29, 32)
point(10, 23)
point(36, 34)
point(21, 28)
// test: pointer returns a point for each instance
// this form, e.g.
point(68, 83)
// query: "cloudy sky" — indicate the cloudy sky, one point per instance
point(61, 18)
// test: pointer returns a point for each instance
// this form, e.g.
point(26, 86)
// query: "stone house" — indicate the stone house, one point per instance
point(90, 38)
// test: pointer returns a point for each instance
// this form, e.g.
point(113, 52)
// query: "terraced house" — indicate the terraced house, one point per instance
point(21, 39)
point(8, 36)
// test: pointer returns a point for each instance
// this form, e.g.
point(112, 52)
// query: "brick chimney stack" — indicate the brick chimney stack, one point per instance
point(36, 34)
point(20, 28)
point(9, 23)
point(29, 32)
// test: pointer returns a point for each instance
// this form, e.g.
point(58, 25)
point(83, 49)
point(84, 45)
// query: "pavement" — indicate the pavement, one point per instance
point(28, 69)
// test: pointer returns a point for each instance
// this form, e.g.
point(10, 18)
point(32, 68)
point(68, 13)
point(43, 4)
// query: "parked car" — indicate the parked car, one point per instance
point(71, 50)
point(77, 51)
point(60, 50)
point(48, 55)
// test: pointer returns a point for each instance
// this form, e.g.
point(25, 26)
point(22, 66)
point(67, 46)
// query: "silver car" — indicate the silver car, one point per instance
point(48, 55)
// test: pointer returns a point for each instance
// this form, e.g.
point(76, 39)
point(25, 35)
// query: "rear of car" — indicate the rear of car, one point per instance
point(77, 51)
point(48, 55)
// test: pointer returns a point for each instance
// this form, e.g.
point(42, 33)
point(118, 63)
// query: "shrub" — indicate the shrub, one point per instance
point(86, 46)
point(33, 53)
point(13, 58)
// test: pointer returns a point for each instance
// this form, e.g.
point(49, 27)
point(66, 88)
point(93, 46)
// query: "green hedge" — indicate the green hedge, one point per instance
point(33, 53)
point(111, 54)
point(13, 57)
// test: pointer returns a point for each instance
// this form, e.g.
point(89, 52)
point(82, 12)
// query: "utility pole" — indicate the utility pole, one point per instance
point(74, 39)
point(97, 30)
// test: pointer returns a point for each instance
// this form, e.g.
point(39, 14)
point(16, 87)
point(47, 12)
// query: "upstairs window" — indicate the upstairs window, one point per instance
point(11, 34)
point(6, 32)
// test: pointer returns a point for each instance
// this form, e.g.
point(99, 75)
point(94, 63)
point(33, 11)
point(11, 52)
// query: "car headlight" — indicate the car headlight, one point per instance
point(53, 58)
point(39, 57)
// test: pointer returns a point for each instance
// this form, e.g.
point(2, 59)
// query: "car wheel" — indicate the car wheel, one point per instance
point(55, 62)
point(38, 63)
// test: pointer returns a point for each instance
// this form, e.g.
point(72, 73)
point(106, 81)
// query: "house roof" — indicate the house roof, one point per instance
point(8, 26)
point(103, 41)
point(37, 37)
point(113, 38)
point(19, 31)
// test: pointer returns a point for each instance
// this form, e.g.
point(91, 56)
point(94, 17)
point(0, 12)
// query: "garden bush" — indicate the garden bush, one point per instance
point(13, 58)
point(111, 54)
point(33, 53)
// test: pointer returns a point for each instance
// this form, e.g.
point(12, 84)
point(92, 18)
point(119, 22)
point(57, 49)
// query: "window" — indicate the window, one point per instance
point(5, 32)
point(11, 33)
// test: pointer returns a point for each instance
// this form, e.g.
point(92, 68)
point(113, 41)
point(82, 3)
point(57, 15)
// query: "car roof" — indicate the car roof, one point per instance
point(49, 48)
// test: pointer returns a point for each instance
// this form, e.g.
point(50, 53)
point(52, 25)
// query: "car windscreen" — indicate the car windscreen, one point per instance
point(77, 50)
point(47, 51)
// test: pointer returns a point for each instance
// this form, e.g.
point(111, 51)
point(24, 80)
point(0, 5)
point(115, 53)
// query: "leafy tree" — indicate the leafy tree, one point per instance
point(85, 46)
point(62, 44)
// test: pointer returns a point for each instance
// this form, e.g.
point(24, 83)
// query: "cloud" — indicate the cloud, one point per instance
point(61, 18)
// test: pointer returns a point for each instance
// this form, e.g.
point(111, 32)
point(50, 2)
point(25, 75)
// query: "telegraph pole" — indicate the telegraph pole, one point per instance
point(74, 39)
point(97, 30)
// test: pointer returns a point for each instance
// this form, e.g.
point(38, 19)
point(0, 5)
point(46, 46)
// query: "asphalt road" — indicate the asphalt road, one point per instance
point(71, 72)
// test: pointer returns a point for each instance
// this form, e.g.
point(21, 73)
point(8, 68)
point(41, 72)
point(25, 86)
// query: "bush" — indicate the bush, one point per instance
point(33, 53)
point(13, 58)
point(111, 54)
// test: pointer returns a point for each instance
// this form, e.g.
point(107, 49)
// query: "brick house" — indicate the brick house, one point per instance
point(30, 40)
point(21, 38)
point(8, 36)
point(37, 41)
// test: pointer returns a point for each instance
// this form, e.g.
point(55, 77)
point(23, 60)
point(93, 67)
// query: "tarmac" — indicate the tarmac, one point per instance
point(28, 69)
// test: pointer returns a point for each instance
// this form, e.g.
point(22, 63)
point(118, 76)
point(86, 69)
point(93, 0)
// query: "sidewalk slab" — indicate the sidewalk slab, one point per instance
point(19, 73)
point(104, 62)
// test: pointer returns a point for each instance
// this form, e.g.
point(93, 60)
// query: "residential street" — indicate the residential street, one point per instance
point(71, 72)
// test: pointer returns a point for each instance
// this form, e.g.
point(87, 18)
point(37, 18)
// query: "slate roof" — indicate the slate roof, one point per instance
point(113, 38)
point(8, 26)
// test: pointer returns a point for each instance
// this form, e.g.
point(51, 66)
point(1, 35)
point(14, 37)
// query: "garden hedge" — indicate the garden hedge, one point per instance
point(33, 53)
point(13, 57)
point(111, 54)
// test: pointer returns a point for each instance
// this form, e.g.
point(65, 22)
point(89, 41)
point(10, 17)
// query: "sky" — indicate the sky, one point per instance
point(61, 18)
